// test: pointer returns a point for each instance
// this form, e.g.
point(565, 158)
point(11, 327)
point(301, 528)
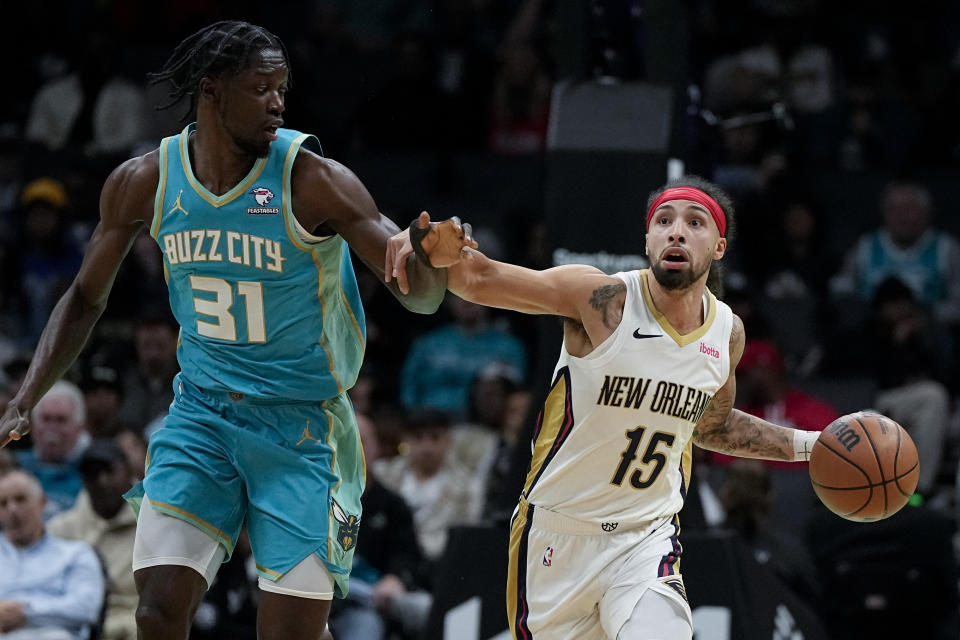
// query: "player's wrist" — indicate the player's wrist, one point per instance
point(416, 241)
point(803, 444)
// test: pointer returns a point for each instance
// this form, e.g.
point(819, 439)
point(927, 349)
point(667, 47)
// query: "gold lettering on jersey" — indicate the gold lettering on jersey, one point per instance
point(245, 245)
point(275, 255)
point(623, 391)
point(232, 238)
point(214, 255)
point(679, 401)
point(198, 253)
point(257, 244)
point(203, 245)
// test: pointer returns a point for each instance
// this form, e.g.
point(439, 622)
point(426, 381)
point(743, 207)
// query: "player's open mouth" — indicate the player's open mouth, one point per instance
point(674, 258)
point(271, 129)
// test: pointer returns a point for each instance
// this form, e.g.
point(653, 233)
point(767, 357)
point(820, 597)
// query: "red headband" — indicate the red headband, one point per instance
point(694, 195)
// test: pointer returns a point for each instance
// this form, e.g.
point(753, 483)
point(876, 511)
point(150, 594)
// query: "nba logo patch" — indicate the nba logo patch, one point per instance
point(548, 557)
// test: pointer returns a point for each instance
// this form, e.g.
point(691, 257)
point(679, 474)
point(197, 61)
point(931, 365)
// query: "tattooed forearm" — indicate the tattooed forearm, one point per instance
point(604, 299)
point(741, 434)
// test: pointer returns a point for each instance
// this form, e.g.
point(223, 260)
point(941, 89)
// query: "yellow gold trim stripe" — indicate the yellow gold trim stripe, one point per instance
point(513, 563)
point(287, 198)
point(552, 422)
point(686, 462)
point(231, 195)
point(323, 318)
point(346, 304)
point(200, 522)
point(270, 572)
point(161, 191)
point(681, 340)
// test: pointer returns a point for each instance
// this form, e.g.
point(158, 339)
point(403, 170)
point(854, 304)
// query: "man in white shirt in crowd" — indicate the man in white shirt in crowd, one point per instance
point(50, 589)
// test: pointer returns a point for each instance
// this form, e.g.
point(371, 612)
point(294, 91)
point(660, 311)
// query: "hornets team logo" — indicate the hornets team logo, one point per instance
point(263, 196)
point(349, 527)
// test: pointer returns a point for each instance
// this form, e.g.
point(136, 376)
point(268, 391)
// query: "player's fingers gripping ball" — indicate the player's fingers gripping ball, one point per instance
point(864, 467)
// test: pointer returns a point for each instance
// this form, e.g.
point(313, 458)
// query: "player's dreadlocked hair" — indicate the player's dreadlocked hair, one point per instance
point(722, 198)
point(222, 48)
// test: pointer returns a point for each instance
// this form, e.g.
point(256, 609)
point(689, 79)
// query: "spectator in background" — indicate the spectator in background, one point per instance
point(440, 493)
point(520, 104)
point(443, 362)
point(763, 391)
point(386, 584)
point(103, 395)
point(135, 447)
point(59, 438)
point(7, 461)
point(483, 444)
point(909, 247)
point(102, 519)
point(148, 385)
point(896, 578)
point(746, 496)
point(904, 353)
point(50, 588)
point(796, 264)
point(43, 260)
point(94, 108)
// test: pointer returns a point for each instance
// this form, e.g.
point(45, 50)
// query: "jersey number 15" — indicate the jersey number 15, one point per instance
point(651, 456)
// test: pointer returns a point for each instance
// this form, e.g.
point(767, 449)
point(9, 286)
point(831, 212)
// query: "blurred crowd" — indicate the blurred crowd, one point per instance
point(837, 139)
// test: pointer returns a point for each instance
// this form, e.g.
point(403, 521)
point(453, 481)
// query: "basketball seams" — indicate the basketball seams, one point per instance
point(873, 447)
point(864, 504)
point(842, 457)
point(870, 485)
point(855, 466)
point(876, 455)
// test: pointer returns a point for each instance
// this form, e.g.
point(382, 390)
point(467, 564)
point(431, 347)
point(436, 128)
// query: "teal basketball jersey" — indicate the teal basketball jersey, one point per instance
point(262, 310)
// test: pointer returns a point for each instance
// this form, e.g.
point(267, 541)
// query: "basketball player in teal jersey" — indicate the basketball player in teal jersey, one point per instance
point(254, 225)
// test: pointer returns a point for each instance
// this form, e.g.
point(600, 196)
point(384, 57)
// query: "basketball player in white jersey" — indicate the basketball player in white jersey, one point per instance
point(646, 369)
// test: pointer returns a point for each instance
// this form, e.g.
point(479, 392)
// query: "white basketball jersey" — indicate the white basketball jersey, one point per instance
point(612, 443)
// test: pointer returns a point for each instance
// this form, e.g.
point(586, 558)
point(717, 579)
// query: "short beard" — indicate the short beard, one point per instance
point(678, 279)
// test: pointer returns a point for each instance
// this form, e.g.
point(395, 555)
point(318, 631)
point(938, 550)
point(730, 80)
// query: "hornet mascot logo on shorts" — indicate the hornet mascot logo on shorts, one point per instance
point(349, 527)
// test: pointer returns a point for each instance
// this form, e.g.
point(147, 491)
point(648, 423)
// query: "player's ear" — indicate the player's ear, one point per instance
point(207, 89)
point(721, 249)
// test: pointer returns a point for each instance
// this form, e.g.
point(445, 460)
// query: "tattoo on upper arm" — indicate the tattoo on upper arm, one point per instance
point(602, 299)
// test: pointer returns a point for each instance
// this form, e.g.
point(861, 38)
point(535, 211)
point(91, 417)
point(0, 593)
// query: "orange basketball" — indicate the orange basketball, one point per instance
point(864, 467)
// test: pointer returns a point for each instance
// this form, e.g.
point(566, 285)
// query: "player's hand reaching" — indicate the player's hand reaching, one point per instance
point(14, 424)
point(442, 244)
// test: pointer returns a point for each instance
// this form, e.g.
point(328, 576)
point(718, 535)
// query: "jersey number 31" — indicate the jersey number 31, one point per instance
point(225, 328)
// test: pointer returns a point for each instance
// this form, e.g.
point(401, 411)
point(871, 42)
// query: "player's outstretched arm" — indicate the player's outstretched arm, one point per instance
point(562, 291)
point(125, 207)
point(727, 430)
point(327, 193)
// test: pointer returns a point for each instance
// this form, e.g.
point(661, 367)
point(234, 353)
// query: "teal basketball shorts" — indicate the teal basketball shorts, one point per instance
point(294, 471)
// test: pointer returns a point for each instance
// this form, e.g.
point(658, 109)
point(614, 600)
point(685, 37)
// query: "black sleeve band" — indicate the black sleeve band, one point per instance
point(416, 237)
